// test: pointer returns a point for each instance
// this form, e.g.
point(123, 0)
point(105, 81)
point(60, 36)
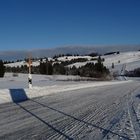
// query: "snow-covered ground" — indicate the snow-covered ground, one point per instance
point(69, 110)
point(45, 84)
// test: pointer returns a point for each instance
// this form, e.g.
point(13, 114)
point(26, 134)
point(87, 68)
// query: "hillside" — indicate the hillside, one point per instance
point(64, 107)
point(127, 60)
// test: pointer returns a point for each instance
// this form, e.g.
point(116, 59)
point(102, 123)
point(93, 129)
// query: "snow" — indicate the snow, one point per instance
point(104, 111)
point(45, 85)
point(22, 63)
point(62, 107)
point(130, 59)
point(16, 64)
point(68, 58)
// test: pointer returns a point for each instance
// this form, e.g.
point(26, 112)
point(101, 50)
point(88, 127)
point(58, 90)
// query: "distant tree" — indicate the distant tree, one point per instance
point(110, 53)
point(103, 59)
point(112, 65)
point(99, 65)
point(74, 71)
point(46, 58)
point(56, 59)
point(49, 68)
point(42, 68)
point(59, 69)
point(46, 68)
point(2, 69)
point(93, 54)
point(41, 60)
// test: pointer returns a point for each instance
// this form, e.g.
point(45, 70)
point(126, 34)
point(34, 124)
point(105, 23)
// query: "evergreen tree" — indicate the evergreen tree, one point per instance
point(99, 65)
point(49, 68)
point(2, 69)
point(59, 69)
point(42, 68)
point(46, 68)
point(112, 65)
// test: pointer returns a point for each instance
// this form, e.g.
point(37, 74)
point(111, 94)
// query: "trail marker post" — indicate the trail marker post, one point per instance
point(30, 75)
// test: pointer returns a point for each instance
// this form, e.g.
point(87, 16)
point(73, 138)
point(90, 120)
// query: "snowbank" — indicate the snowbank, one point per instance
point(37, 91)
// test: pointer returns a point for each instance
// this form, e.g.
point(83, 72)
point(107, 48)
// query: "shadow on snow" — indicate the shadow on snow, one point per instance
point(104, 131)
point(19, 95)
point(138, 96)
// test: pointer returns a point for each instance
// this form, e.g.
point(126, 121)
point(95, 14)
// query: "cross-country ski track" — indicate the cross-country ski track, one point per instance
point(105, 112)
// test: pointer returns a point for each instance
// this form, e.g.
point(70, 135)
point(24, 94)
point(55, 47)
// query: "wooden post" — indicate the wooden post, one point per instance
point(30, 75)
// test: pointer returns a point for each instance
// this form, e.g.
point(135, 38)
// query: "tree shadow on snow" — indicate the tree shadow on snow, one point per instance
point(104, 130)
point(138, 96)
point(18, 95)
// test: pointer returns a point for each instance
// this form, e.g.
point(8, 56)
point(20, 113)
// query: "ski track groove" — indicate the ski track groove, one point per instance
point(79, 123)
point(89, 116)
point(128, 120)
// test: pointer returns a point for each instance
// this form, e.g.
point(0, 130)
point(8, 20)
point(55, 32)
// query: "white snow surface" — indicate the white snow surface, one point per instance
point(22, 63)
point(68, 58)
point(45, 85)
point(130, 59)
point(62, 109)
point(93, 112)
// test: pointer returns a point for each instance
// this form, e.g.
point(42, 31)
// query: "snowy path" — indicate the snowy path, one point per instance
point(107, 112)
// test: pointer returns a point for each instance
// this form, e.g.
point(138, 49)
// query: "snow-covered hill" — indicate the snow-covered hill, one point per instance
point(69, 58)
point(129, 60)
point(22, 63)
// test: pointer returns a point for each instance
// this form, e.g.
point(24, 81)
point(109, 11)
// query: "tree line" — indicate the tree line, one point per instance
point(96, 70)
point(2, 69)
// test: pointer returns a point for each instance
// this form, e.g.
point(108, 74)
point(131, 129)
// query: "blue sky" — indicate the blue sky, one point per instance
point(28, 24)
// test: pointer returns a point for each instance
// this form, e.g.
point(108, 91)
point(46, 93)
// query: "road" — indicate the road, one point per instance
point(107, 112)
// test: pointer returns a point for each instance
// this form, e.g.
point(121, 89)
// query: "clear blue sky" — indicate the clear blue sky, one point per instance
point(28, 24)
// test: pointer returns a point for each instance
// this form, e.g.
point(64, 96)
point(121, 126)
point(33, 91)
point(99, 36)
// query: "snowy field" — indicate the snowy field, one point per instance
point(130, 59)
point(46, 84)
point(58, 108)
